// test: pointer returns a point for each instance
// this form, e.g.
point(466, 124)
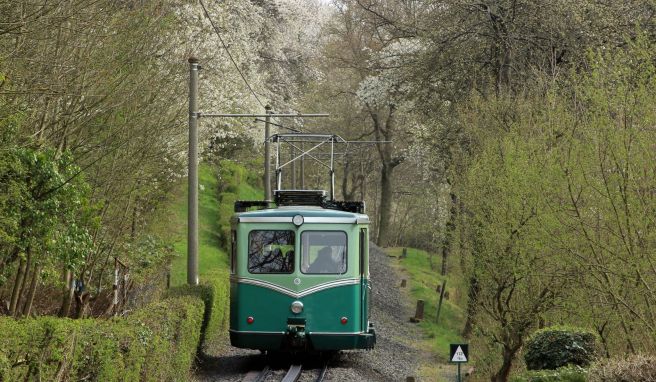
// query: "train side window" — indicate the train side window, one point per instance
point(323, 252)
point(233, 251)
point(271, 251)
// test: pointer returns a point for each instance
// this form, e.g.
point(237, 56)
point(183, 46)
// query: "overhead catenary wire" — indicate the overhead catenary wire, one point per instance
point(232, 59)
point(234, 63)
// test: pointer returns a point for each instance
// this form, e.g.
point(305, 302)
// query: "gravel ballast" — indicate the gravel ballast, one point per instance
point(393, 359)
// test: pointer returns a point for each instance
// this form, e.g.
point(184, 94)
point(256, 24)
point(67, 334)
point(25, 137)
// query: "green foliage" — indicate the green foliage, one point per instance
point(552, 348)
point(152, 253)
point(156, 343)
point(634, 368)
point(554, 196)
point(563, 374)
point(236, 182)
point(44, 207)
point(215, 293)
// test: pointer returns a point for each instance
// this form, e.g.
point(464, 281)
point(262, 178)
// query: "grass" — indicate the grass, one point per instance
point(422, 282)
point(212, 256)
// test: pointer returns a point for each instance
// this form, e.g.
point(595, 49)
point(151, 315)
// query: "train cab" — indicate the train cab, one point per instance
point(300, 275)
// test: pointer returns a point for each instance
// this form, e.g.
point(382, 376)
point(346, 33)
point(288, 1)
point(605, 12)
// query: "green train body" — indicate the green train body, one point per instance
point(309, 258)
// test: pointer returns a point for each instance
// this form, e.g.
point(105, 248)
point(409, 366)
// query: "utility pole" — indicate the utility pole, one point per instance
point(267, 154)
point(194, 117)
point(192, 216)
point(303, 167)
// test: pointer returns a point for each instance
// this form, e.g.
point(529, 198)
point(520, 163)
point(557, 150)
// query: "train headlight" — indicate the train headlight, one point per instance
point(297, 307)
point(297, 220)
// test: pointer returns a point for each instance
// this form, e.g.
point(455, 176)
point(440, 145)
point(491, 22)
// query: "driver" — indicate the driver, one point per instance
point(324, 262)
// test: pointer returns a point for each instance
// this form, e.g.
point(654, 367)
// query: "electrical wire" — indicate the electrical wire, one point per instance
point(234, 63)
point(216, 30)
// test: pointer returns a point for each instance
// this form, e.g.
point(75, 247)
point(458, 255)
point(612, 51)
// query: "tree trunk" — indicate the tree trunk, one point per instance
point(448, 233)
point(27, 308)
point(363, 183)
point(472, 306)
point(18, 281)
point(81, 300)
point(67, 295)
point(385, 132)
point(386, 190)
point(26, 273)
point(345, 177)
point(504, 371)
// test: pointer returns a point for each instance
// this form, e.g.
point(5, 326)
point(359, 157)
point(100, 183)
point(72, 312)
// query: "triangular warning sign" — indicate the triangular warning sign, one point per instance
point(459, 356)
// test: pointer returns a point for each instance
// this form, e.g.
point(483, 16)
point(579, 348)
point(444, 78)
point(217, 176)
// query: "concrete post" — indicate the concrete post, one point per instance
point(267, 154)
point(302, 168)
point(192, 216)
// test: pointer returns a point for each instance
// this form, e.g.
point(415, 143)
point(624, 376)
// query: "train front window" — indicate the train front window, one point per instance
point(271, 252)
point(323, 252)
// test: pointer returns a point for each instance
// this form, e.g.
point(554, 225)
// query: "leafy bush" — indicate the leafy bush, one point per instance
point(636, 368)
point(555, 347)
point(156, 343)
point(215, 293)
point(563, 374)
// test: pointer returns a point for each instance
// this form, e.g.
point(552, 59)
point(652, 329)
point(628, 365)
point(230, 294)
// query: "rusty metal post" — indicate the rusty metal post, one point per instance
point(439, 305)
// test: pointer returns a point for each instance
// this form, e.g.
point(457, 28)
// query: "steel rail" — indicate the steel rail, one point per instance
point(254, 376)
point(293, 373)
point(323, 373)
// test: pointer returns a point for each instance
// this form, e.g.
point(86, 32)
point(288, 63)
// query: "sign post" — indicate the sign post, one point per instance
point(459, 353)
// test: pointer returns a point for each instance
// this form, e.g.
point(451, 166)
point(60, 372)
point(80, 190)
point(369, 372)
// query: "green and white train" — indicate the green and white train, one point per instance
point(300, 275)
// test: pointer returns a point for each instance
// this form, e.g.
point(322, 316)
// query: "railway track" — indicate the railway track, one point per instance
point(293, 374)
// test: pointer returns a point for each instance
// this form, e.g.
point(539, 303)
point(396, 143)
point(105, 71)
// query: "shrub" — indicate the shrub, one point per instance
point(156, 343)
point(635, 368)
point(215, 293)
point(555, 347)
point(563, 374)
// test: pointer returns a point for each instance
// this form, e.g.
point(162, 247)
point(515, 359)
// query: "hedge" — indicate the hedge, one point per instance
point(156, 343)
point(215, 293)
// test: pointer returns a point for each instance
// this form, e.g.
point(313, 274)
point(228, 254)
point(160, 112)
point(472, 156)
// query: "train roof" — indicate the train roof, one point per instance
point(311, 214)
point(313, 205)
